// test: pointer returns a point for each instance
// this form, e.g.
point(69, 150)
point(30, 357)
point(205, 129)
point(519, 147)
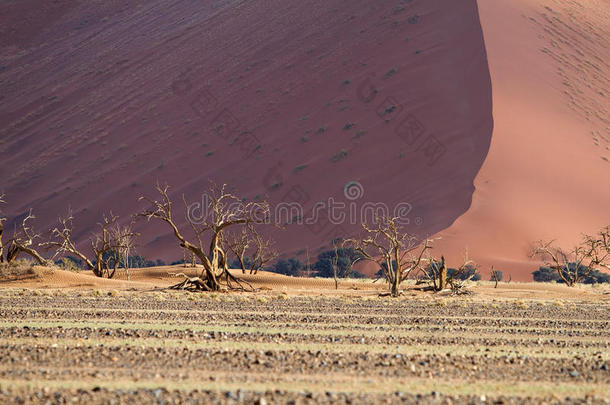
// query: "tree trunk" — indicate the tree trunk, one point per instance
point(11, 253)
point(395, 285)
point(1, 247)
point(98, 270)
point(41, 260)
point(211, 279)
point(442, 276)
point(395, 282)
point(15, 248)
point(335, 277)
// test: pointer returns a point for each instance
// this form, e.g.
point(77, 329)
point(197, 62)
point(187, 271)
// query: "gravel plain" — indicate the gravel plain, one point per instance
point(166, 347)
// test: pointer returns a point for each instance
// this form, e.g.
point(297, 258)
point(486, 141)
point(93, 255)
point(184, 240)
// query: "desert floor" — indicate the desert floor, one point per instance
point(70, 337)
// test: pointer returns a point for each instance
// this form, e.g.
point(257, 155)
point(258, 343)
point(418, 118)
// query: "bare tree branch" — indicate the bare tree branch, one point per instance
point(458, 279)
point(335, 264)
point(223, 210)
point(600, 244)
point(64, 243)
point(110, 246)
point(23, 240)
point(2, 219)
point(576, 264)
point(251, 250)
point(397, 253)
point(439, 278)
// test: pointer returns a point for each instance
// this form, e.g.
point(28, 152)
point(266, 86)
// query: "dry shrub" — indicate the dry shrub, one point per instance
point(69, 265)
point(521, 304)
point(440, 303)
point(21, 269)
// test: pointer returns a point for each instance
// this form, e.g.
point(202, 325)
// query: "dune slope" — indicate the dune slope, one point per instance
point(547, 172)
point(287, 100)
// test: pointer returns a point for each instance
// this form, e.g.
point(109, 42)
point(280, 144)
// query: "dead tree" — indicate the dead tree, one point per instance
point(308, 264)
point(253, 252)
point(434, 273)
point(64, 244)
point(458, 279)
point(23, 241)
point(125, 238)
point(223, 211)
point(572, 265)
point(335, 264)
point(185, 262)
point(120, 240)
point(495, 276)
point(108, 246)
point(601, 244)
point(439, 278)
point(396, 252)
point(2, 219)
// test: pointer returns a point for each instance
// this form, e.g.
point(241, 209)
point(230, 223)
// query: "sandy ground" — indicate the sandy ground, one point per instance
point(152, 279)
point(73, 338)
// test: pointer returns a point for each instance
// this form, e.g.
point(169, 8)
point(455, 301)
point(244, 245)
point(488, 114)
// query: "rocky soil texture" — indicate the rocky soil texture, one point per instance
point(161, 347)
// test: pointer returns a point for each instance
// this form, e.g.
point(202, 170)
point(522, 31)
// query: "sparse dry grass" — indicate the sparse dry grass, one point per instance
point(21, 269)
point(368, 344)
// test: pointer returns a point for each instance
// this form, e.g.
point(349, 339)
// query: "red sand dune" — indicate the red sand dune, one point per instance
point(285, 100)
point(293, 100)
point(545, 176)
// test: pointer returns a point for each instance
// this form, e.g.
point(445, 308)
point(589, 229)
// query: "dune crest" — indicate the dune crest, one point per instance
point(547, 172)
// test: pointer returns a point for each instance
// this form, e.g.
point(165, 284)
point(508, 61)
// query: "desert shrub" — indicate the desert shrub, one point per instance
point(345, 257)
point(248, 262)
point(339, 156)
point(69, 263)
point(547, 274)
point(115, 260)
point(19, 269)
point(181, 261)
point(290, 267)
point(598, 277)
point(382, 271)
point(137, 261)
point(469, 271)
point(355, 274)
